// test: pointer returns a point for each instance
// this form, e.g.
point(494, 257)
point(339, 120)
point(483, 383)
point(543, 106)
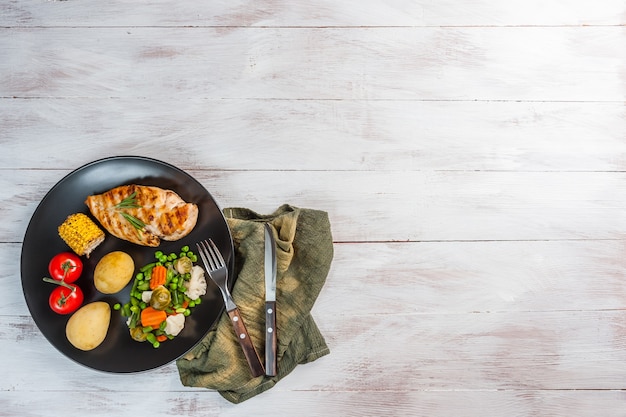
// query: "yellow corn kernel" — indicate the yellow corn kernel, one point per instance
point(81, 234)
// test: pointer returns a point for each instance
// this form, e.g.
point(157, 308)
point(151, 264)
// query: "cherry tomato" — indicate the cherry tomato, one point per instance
point(64, 300)
point(65, 266)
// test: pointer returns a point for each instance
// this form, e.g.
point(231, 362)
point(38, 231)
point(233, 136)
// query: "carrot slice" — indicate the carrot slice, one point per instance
point(159, 276)
point(153, 318)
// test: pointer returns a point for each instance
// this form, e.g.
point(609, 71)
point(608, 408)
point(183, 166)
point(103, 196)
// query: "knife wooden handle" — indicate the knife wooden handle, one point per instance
point(254, 361)
point(270, 338)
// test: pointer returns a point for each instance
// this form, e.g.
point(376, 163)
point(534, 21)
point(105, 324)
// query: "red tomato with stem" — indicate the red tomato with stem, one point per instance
point(65, 266)
point(66, 299)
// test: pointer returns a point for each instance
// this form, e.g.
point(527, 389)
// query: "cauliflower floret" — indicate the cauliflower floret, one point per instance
point(197, 283)
point(146, 296)
point(174, 324)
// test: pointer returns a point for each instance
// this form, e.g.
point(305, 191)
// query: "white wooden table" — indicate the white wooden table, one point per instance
point(471, 156)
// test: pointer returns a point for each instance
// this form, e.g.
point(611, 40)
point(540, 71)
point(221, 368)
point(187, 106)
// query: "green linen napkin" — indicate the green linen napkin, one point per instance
point(304, 253)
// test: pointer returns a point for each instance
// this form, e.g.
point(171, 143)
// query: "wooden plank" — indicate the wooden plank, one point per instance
point(321, 404)
point(318, 134)
point(442, 278)
point(512, 63)
point(396, 205)
point(474, 277)
point(312, 13)
point(566, 350)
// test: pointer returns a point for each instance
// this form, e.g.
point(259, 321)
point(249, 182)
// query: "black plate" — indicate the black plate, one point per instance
point(118, 353)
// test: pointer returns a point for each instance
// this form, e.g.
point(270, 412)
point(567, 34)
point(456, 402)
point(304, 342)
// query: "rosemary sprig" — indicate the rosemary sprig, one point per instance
point(127, 203)
point(134, 221)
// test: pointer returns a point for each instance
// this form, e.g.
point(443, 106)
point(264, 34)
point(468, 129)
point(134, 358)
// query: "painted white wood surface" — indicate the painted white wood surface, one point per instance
point(471, 155)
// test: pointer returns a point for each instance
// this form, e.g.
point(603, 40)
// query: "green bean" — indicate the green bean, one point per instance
point(126, 310)
point(134, 318)
point(147, 267)
point(134, 288)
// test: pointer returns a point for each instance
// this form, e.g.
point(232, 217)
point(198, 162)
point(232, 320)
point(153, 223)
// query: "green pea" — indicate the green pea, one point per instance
point(173, 286)
point(197, 301)
point(158, 254)
point(184, 249)
point(117, 306)
point(187, 312)
point(135, 309)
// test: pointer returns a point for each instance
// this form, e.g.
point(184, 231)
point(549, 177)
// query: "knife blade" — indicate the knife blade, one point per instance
point(270, 302)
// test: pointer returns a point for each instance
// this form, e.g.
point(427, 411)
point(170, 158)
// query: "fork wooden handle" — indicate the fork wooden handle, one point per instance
point(256, 367)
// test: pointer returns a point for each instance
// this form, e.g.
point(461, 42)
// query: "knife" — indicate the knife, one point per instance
point(270, 302)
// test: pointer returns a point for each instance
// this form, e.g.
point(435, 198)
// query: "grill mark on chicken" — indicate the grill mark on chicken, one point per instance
point(165, 214)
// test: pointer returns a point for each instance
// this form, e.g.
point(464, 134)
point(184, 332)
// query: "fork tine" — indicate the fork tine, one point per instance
point(202, 250)
point(216, 253)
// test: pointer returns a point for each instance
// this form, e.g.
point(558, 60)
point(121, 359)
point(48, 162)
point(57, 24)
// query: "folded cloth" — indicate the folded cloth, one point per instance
point(304, 253)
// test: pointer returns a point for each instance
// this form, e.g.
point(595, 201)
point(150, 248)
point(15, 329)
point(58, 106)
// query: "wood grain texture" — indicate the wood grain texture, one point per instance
point(398, 205)
point(336, 135)
point(313, 13)
point(510, 63)
point(471, 157)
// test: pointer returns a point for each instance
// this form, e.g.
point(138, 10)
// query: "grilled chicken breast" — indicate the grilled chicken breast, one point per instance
point(161, 214)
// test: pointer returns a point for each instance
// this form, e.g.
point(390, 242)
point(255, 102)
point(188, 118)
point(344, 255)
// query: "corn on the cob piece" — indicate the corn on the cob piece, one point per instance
point(81, 234)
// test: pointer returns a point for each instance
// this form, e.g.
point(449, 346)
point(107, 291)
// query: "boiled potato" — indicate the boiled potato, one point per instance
point(89, 325)
point(113, 272)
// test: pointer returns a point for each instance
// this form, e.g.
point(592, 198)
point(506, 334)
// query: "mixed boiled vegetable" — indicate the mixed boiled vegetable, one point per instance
point(163, 293)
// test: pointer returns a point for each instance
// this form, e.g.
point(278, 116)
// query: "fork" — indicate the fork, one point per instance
point(216, 269)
